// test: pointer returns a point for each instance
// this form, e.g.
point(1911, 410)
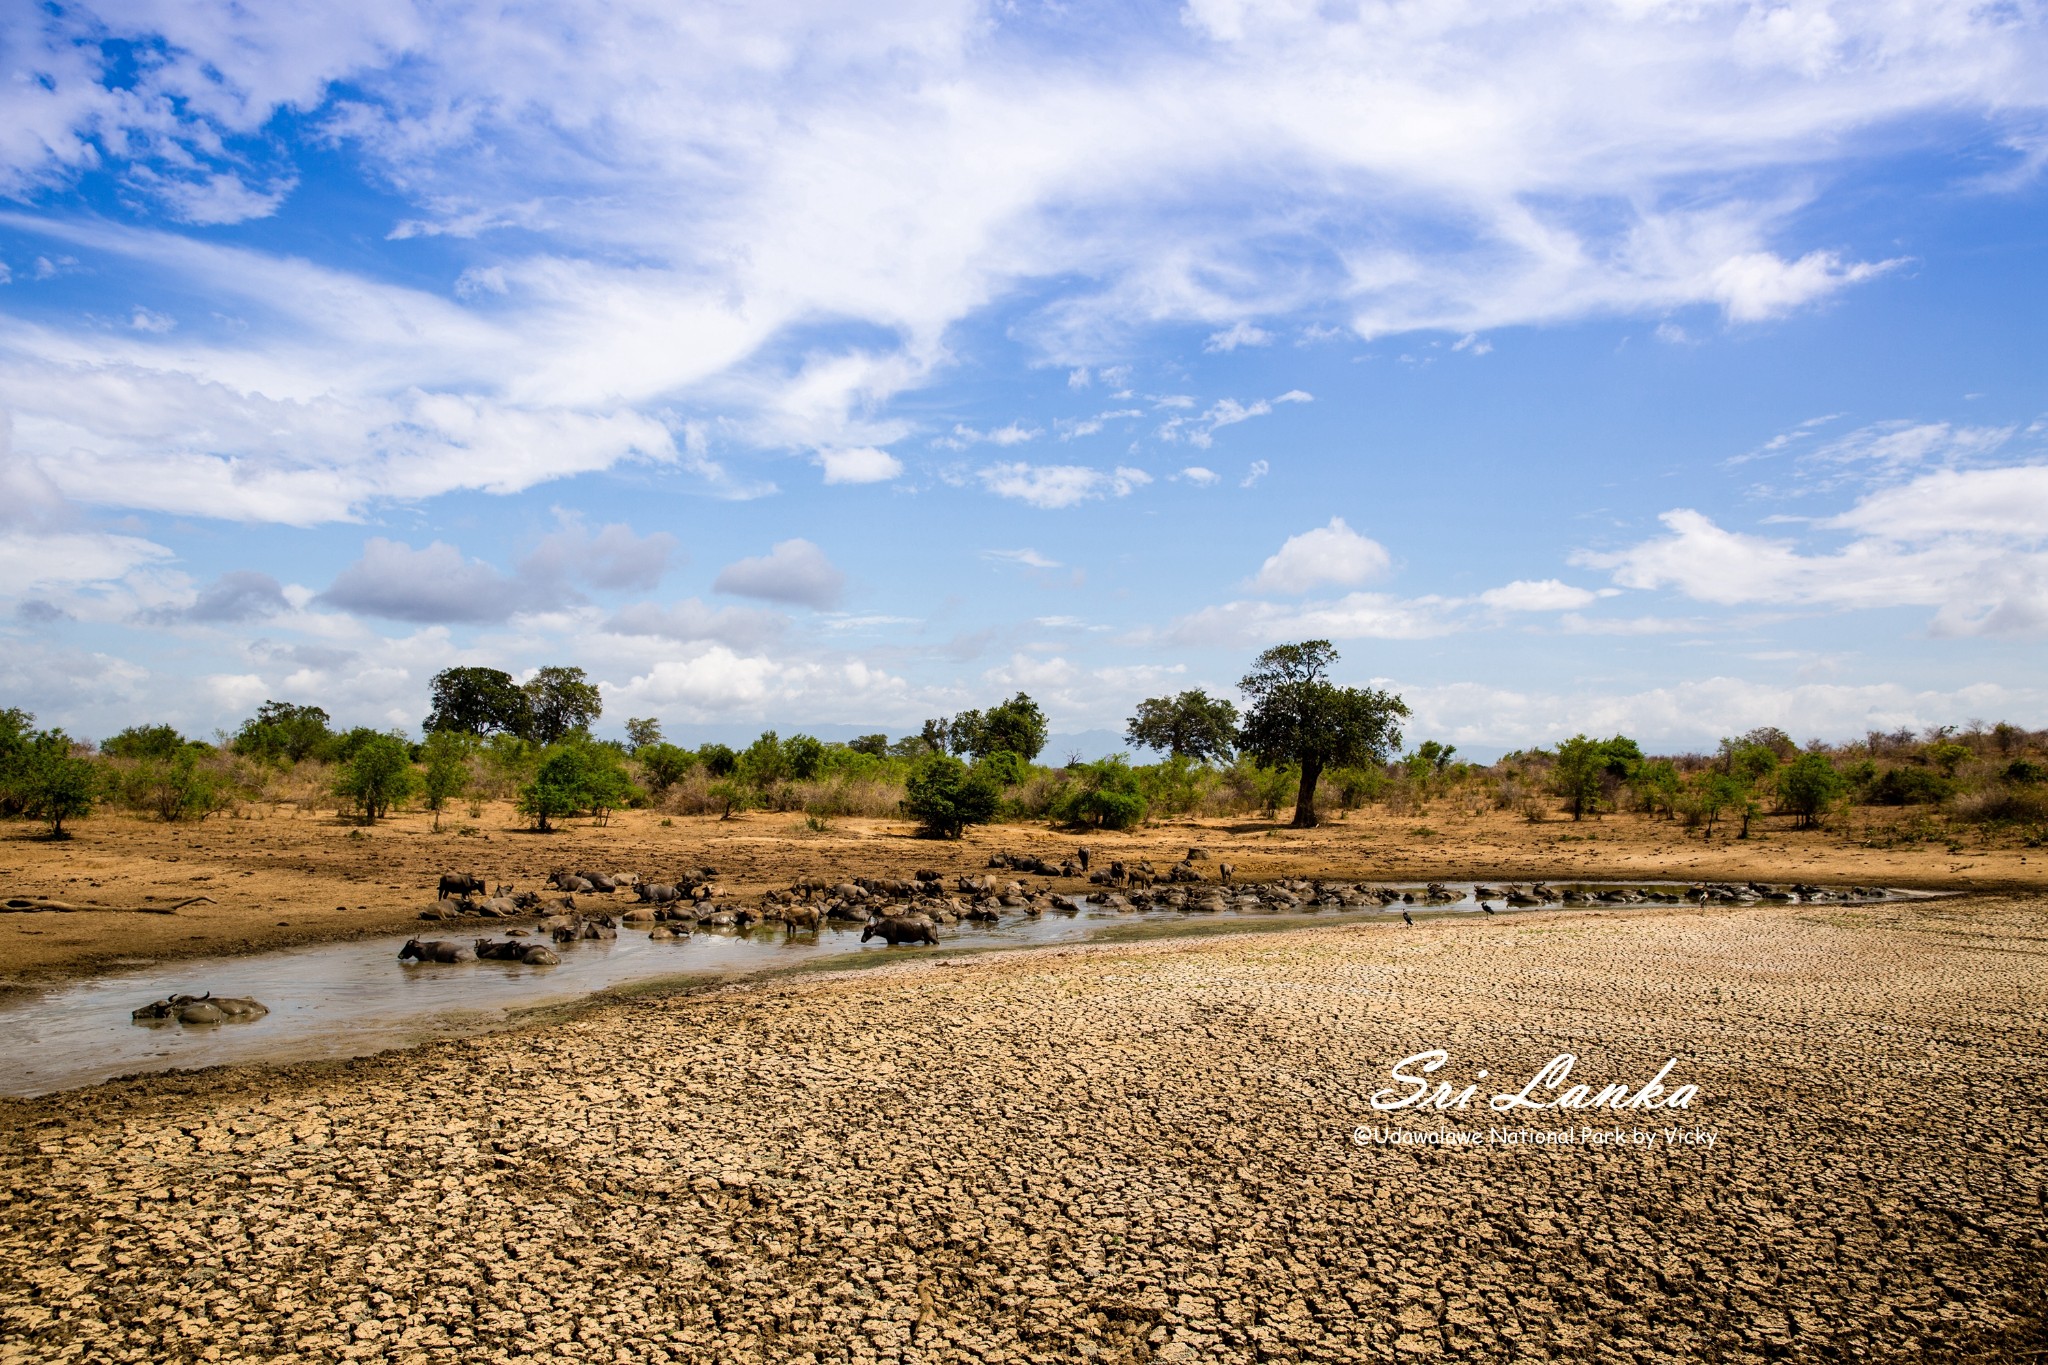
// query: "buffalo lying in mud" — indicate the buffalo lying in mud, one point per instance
point(899, 931)
point(532, 954)
point(199, 1009)
point(435, 950)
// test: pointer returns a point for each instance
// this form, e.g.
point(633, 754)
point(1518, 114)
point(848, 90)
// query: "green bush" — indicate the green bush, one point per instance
point(944, 797)
point(1105, 794)
point(160, 742)
point(1910, 786)
point(47, 781)
point(376, 775)
point(177, 787)
point(1808, 785)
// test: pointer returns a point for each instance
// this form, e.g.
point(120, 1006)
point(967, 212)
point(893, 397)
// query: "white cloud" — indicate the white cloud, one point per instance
point(1060, 485)
point(1198, 476)
point(1256, 470)
point(1967, 542)
point(144, 320)
point(691, 621)
point(1474, 343)
point(794, 571)
point(698, 189)
point(1355, 616)
point(1238, 334)
point(1029, 558)
point(436, 584)
point(1547, 594)
point(860, 464)
point(1332, 554)
point(1757, 285)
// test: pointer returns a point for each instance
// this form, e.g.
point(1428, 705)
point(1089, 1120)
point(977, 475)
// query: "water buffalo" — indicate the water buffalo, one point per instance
point(566, 881)
point(435, 950)
point(460, 884)
point(657, 893)
point(586, 926)
point(900, 931)
point(532, 954)
point(200, 1009)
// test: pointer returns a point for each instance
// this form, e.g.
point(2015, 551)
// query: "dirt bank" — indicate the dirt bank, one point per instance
point(279, 879)
point(1141, 1152)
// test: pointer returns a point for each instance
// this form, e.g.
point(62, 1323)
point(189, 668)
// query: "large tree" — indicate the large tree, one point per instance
point(1190, 725)
point(478, 701)
point(1298, 715)
point(281, 730)
point(1016, 726)
point(561, 700)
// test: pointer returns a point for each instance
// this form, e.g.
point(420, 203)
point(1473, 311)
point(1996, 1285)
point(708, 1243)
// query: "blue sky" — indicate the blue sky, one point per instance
point(1670, 369)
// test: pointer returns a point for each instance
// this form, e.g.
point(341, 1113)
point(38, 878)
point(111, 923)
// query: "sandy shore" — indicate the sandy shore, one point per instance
point(1140, 1152)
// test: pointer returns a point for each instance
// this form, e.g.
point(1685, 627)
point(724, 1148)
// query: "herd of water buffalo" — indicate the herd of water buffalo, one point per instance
point(910, 910)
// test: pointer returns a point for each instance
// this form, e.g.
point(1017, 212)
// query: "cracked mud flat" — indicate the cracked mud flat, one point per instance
point(1133, 1152)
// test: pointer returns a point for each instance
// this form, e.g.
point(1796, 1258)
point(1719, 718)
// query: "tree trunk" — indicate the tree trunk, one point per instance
point(1305, 798)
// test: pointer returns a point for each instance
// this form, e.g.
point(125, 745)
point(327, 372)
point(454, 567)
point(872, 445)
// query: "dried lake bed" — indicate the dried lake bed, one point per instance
point(1124, 1151)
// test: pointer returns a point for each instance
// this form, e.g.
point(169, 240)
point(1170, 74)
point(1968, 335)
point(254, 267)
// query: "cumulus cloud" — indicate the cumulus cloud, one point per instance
point(1332, 554)
point(439, 585)
point(1967, 542)
point(1758, 284)
point(793, 571)
point(1355, 616)
point(436, 584)
point(692, 621)
point(859, 464)
point(1546, 594)
point(1060, 485)
point(1198, 476)
point(235, 597)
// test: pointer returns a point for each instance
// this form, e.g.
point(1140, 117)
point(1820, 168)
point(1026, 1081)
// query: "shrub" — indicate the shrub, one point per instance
point(160, 742)
point(447, 762)
point(1808, 785)
point(47, 781)
point(1004, 767)
point(663, 765)
point(1910, 786)
point(377, 774)
point(944, 797)
point(1105, 794)
point(177, 787)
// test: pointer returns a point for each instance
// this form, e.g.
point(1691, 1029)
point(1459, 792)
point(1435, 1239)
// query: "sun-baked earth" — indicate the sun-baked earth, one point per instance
point(279, 879)
point(1134, 1152)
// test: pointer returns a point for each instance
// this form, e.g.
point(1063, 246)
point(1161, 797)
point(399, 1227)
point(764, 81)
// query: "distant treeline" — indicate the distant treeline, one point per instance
point(1302, 740)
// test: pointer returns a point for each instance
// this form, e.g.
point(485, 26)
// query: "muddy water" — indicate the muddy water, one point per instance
point(352, 999)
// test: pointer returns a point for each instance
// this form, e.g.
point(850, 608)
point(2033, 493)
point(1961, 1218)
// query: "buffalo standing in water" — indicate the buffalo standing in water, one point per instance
point(200, 1009)
point(900, 931)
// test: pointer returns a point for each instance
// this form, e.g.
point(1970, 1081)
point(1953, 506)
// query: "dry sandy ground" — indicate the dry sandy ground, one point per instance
point(1140, 1152)
point(281, 879)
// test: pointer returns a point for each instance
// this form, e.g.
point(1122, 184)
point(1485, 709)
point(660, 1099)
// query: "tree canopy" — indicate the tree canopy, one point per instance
point(1016, 726)
point(944, 796)
point(281, 731)
point(1191, 724)
point(1298, 716)
point(560, 700)
point(478, 701)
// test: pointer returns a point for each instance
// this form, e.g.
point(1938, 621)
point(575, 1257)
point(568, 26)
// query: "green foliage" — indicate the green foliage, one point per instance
point(875, 746)
point(718, 759)
point(578, 776)
point(1588, 772)
point(1191, 725)
point(944, 797)
point(1656, 787)
point(160, 742)
point(176, 787)
point(663, 765)
point(1176, 786)
point(1910, 785)
point(2024, 772)
point(281, 732)
point(731, 795)
point(1809, 785)
point(46, 781)
point(803, 756)
point(1017, 725)
point(1298, 716)
point(1948, 756)
point(446, 756)
point(642, 731)
point(559, 701)
point(376, 775)
point(1004, 768)
point(479, 701)
point(1105, 794)
point(764, 763)
point(1358, 785)
point(1709, 794)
